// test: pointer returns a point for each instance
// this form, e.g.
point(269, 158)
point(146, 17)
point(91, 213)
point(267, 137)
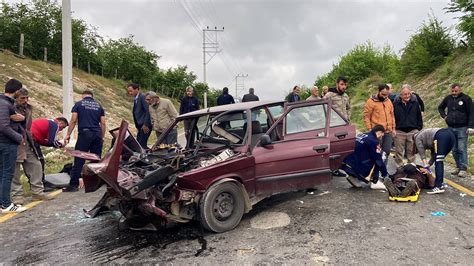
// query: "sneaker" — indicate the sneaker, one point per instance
point(354, 181)
point(379, 185)
point(338, 173)
point(463, 174)
point(444, 185)
point(436, 190)
point(13, 208)
point(456, 172)
point(392, 189)
point(70, 189)
point(41, 196)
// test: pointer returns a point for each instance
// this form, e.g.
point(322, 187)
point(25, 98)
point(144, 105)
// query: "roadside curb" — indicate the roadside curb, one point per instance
point(459, 187)
point(8, 216)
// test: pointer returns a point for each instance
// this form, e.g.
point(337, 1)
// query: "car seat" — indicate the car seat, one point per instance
point(256, 130)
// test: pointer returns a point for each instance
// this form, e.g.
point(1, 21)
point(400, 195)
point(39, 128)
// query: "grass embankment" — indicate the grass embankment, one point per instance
point(44, 82)
point(432, 88)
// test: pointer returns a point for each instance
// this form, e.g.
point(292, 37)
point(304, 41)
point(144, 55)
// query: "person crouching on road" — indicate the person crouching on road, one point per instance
point(366, 163)
point(162, 114)
point(440, 141)
point(44, 133)
point(27, 155)
point(408, 179)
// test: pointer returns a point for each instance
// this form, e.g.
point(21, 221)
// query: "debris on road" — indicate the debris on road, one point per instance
point(347, 221)
point(323, 193)
point(323, 259)
point(438, 214)
point(242, 251)
point(462, 194)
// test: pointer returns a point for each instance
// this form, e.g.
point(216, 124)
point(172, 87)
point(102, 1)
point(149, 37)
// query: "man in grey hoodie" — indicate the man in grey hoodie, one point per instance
point(440, 141)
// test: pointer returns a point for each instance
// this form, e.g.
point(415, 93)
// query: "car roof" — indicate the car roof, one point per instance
point(230, 107)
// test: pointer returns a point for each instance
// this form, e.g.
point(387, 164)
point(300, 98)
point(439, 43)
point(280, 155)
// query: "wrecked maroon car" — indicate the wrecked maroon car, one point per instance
point(232, 157)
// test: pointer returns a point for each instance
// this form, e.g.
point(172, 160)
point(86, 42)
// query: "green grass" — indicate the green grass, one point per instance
point(432, 88)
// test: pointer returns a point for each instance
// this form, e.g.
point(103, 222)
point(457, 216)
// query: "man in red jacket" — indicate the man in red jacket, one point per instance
point(44, 133)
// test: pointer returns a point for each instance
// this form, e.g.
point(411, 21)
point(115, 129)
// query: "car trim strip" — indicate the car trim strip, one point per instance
point(297, 175)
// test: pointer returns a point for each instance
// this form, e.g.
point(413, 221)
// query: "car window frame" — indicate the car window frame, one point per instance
point(289, 106)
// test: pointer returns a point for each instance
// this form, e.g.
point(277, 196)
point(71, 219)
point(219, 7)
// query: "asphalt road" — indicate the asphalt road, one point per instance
point(336, 224)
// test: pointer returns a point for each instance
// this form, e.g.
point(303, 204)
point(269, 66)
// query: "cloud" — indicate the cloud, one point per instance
point(277, 43)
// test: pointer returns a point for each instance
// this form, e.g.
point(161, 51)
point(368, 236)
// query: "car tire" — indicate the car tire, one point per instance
point(222, 207)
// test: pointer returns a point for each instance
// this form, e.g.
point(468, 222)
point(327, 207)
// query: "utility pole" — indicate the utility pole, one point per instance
point(210, 47)
point(22, 44)
point(67, 59)
point(240, 85)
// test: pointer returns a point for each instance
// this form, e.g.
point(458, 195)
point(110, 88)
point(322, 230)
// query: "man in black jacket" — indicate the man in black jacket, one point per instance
point(459, 118)
point(10, 138)
point(141, 116)
point(408, 121)
point(250, 97)
point(225, 97)
point(294, 95)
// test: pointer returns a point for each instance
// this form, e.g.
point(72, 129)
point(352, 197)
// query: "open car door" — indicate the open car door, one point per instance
point(299, 157)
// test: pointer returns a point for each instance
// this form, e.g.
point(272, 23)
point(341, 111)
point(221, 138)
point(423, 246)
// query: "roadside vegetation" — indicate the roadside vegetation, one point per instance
point(433, 58)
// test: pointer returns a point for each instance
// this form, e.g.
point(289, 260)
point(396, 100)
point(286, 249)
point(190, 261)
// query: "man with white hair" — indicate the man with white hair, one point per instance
point(408, 121)
point(314, 94)
point(162, 114)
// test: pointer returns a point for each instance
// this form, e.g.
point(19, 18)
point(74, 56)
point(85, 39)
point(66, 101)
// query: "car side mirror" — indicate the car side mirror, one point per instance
point(265, 140)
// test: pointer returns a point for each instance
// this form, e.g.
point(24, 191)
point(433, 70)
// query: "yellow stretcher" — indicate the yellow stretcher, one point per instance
point(413, 198)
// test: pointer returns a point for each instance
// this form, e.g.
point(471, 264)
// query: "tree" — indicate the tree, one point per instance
point(127, 60)
point(361, 62)
point(466, 21)
point(427, 49)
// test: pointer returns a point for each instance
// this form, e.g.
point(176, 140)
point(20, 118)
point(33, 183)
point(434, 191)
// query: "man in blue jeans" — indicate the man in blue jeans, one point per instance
point(459, 118)
point(10, 138)
point(90, 119)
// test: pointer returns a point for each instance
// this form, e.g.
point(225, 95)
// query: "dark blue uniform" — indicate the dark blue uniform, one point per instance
point(89, 137)
point(366, 160)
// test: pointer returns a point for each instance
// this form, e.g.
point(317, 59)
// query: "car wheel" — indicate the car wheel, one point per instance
point(222, 207)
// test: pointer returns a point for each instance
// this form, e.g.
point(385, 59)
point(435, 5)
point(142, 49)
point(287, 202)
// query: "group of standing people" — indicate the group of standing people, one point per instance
point(21, 138)
point(152, 113)
point(395, 121)
point(401, 118)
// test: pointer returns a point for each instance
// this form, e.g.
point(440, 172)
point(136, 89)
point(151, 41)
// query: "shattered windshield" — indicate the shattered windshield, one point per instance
point(227, 129)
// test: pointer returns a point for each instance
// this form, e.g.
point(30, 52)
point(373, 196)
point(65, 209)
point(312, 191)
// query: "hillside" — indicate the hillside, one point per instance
point(43, 80)
point(432, 89)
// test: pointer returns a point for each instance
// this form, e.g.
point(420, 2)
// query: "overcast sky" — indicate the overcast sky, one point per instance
point(278, 43)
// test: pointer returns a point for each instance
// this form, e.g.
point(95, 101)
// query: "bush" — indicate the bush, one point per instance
point(427, 49)
point(363, 61)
